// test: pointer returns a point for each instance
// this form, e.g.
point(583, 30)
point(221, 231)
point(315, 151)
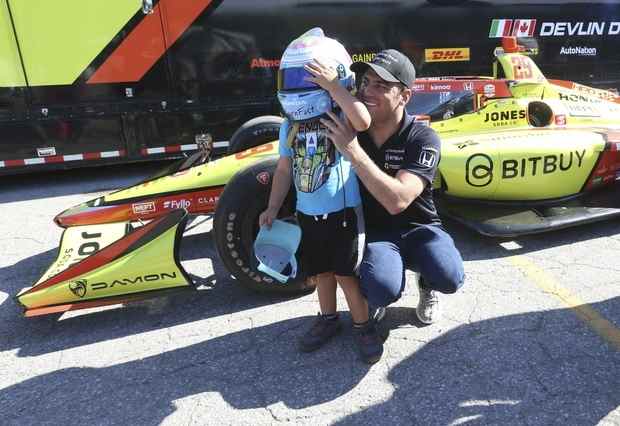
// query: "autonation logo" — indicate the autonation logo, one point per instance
point(578, 50)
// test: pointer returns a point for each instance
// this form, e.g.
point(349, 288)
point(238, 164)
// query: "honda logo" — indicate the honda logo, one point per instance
point(428, 157)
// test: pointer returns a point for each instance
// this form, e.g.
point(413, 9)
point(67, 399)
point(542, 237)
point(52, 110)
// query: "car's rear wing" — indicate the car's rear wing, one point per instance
point(515, 62)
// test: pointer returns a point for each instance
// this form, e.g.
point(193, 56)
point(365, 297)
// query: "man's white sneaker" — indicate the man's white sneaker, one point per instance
point(428, 306)
point(378, 314)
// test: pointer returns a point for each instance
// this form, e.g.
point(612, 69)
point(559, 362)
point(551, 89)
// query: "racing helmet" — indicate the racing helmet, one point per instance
point(301, 99)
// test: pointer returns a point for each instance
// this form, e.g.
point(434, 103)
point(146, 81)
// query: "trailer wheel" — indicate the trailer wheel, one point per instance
point(236, 226)
point(255, 132)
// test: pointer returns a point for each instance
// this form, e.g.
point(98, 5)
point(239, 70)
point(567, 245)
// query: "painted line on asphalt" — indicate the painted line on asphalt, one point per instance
point(593, 319)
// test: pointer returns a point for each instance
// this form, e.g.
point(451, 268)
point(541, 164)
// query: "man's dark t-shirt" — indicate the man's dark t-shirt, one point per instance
point(415, 148)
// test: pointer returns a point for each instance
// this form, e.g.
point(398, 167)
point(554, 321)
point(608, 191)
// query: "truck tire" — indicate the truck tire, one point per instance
point(235, 225)
point(255, 132)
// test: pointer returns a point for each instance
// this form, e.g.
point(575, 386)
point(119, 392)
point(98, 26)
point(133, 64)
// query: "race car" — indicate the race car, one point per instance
point(521, 154)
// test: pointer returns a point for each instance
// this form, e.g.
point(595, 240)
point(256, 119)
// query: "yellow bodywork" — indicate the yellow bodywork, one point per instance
point(11, 74)
point(149, 267)
point(495, 153)
point(51, 37)
point(519, 165)
point(211, 174)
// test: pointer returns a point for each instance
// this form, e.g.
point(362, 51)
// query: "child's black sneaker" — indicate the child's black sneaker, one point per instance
point(323, 328)
point(368, 342)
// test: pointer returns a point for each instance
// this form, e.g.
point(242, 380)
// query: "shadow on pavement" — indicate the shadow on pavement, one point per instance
point(221, 295)
point(537, 368)
point(505, 370)
point(474, 246)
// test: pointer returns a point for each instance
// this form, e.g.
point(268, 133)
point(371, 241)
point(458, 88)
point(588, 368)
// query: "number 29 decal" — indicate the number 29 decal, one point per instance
point(521, 68)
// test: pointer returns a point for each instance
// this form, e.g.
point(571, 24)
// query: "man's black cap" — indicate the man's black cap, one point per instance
point(390, 65)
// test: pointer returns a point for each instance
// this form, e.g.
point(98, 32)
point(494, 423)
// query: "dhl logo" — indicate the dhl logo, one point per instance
point(450, 54)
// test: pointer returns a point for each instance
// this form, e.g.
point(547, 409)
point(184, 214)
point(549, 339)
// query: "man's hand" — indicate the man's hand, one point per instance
point(341, 133)
point(324, 75)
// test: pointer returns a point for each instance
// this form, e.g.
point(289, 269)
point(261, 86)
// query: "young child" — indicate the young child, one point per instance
point(314, 78)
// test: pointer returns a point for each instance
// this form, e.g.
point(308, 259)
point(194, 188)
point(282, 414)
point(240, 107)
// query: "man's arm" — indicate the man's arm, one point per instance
point(394, 193)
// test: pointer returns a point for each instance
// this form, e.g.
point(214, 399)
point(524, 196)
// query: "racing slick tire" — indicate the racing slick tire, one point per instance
point(235, 225)
point(255, 132)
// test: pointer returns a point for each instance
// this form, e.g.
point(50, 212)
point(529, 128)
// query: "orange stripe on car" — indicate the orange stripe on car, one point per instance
point(144, 45)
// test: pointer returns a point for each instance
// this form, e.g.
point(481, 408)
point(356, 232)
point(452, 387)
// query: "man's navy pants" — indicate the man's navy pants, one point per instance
point(427, 249)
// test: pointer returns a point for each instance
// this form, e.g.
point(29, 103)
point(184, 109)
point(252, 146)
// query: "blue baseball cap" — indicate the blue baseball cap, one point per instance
point(275, 248)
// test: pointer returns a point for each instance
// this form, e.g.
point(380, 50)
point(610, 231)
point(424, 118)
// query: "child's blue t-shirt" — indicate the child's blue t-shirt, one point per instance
point(324, 180)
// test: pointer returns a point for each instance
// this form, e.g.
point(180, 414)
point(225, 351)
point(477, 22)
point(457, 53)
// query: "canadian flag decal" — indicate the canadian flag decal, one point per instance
point(524, 27)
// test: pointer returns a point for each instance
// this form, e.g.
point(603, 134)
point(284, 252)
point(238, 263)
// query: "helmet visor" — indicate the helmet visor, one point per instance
point(295, 79)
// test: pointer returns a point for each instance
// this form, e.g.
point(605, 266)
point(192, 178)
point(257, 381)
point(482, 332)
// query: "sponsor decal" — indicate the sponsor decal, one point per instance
point(469, 86)
point(580, 28)
point(255, 150)
point(418, 87)
point(263, 178)
point(582, 110)
point(264, 63)
point(479, 170)
point(504, 118)
point(489, 90)
point(443, 87)
point(521, 68)
point(578, 51)
point(49, 151)
point(363, 57)
point(78, 288)
point(141, 279)
point(208, 200)
point(527, 28)
point(143, 208)
point(428, 157)
point(89, 247)
point(573, 97)
point(580, 105)
point(479, 167)
point(449, 54)
point(394, 154)
point(609, 94)
point(393, 159)
point(177, 204)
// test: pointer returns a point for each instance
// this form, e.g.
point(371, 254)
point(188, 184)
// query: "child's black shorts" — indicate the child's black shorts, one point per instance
point(329, 246)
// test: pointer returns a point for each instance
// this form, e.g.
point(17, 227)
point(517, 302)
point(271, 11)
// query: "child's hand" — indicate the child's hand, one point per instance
point(324, 75)
point(267, 217)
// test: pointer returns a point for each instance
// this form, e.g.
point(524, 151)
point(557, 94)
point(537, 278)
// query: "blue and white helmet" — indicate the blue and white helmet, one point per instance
point(301, 99)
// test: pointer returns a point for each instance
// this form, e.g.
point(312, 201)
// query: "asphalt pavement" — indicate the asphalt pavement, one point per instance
point(533, 338)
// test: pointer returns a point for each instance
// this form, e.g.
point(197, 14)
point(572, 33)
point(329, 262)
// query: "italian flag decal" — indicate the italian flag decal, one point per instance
point(500, 28)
